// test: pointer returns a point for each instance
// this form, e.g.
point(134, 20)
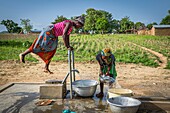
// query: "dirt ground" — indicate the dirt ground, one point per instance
point(142, 80)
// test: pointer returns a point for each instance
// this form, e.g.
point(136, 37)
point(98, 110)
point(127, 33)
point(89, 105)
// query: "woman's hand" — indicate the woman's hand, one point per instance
point(107, 74)
point(70, 48)
point(101, 73)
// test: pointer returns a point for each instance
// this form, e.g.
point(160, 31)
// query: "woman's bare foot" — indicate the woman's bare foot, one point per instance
point(99, 95)
point(21, 58)
point(48, 71)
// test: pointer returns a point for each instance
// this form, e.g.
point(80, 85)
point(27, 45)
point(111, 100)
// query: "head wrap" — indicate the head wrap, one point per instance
point(106, 52)
point(80, 19)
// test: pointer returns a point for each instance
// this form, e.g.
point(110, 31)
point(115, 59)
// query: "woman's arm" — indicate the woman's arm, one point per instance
point(101, 66)
point(109, 67)
point(65, 36)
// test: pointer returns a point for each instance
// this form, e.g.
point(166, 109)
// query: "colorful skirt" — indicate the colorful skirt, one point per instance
point(45, 45)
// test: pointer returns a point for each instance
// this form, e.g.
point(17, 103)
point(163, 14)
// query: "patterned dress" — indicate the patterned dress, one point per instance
point(46, 44)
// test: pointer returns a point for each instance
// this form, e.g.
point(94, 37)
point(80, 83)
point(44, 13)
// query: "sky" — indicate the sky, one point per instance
point(42, 12)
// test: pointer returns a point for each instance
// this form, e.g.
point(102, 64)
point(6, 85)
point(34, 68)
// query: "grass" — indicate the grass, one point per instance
point(86, 47)
point(157, 43)
point(12, 53)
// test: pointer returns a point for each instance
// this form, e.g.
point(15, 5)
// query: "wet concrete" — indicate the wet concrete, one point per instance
point(21, 98)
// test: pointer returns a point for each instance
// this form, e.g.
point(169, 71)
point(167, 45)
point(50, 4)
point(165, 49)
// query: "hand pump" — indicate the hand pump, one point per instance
point(71, 67)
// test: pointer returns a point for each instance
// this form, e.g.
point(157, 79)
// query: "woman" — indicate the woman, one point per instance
point(106, 61)
point(46, 44)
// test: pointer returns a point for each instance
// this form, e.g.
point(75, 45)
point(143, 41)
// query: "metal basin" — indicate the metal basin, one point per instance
point(85, 88)
point(123, 104)
point(107, 79)
point(115, 92)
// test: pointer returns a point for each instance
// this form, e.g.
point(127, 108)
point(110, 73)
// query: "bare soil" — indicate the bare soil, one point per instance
point(142, 80)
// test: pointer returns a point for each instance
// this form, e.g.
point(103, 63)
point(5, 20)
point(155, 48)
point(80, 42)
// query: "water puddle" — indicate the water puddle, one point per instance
point(80, 104)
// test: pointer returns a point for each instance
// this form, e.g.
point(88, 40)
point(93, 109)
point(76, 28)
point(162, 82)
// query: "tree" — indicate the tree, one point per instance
point(166, 20)
point(139, 25)
point(124, 24)
point(108, 17)
point(59, 19)
point(149, 26)
point(90, 19)
point(102, 24)
point(95, 15)
point(131, 25)
point(115, 25)
point(11, 26)
point(26, 25)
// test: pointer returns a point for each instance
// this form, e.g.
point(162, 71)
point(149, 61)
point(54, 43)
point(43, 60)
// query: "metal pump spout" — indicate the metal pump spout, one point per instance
point(74, 70)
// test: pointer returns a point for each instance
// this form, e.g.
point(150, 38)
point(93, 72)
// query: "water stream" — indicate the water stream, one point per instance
point(81, 104)
point(78, 105)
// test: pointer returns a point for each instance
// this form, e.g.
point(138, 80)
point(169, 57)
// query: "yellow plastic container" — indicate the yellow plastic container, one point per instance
point(115, 92)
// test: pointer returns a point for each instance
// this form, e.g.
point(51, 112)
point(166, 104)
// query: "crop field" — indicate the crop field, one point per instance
point(86, 47)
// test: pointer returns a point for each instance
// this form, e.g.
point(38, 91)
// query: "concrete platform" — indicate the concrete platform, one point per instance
point(53, 91)
point(21, 98)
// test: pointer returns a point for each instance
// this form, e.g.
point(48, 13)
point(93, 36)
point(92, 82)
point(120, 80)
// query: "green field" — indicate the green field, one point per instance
point(86, 47)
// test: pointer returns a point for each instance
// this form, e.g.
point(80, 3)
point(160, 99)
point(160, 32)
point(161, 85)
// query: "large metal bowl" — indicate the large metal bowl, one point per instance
point(123, 104)
point(85, 88)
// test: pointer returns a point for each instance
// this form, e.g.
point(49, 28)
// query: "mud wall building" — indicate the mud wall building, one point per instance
point(160, 30)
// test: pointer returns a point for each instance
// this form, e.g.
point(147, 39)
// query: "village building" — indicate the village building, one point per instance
point(160, 30)
point(157, 30)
